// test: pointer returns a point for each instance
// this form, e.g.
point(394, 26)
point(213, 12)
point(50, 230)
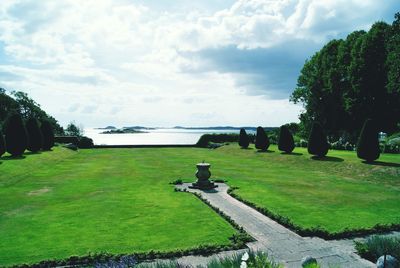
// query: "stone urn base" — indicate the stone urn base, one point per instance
point(203, 174)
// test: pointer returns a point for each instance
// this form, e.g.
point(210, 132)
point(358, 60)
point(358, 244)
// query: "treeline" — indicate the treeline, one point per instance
point(19, 103)
point(33, 136)
point(351, 80)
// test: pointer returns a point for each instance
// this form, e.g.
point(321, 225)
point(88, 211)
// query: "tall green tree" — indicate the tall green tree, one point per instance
point(393, 71)
point(29, 108)
point(73, 130)
point(34, 134)
point(7, 106)
point(350, 80)
point(16, 137)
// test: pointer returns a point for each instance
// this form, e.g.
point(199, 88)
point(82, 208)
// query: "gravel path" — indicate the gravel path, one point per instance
point(283, 245)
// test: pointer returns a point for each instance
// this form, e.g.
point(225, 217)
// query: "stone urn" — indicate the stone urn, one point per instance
point(203, 175)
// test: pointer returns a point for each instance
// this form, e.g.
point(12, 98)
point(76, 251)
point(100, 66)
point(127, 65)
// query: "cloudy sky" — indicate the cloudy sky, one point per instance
point(166, 63)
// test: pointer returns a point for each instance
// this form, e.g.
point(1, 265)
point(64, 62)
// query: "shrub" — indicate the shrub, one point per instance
point(392, 144)
point(35, 136)
point(317, 142)
point(216, 138)
point(243, 139)
point(376, 246)
point(85, 143)
point(48, 135)
point(2, 144)
point(16, 138)
point(368, 142)
point(262, 141)
point(286, 142)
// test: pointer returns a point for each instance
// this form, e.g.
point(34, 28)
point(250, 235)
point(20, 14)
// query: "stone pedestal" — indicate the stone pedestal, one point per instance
point(203, 174)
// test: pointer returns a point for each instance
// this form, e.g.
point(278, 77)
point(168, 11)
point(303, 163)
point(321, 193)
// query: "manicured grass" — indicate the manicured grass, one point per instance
point(119, 200)
point(62, 203)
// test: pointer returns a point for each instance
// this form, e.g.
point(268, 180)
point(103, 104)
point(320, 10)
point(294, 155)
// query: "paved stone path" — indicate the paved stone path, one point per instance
point(283, 245)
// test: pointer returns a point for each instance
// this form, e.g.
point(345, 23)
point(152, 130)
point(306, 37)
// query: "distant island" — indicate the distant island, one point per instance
point(224, 128)
point(107, 127)
point(125, 130)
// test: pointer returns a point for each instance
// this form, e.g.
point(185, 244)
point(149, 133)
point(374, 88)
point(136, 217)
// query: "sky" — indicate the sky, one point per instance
point(168, 63)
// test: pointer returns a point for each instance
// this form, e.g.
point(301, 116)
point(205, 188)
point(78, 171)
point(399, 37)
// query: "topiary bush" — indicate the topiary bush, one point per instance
point(35, 136)
point(244, 140)
point(2, 144)
point(262, 141)
point(368, 142)
point(317, 142)
point(48, 135)
point(16, 137)
point(85, 143)
point(286, 142)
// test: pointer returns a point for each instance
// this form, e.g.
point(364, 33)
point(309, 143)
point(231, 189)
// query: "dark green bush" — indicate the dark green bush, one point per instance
point(66, 139)
point(244, 140)
point(317, 142)
point(48, 135)
point(85, 143)
point(35, 136)
point(16, 138)
point(368, 142)
point(262, 141)
point(216, 138)
point(2, 144)
point(286, 142)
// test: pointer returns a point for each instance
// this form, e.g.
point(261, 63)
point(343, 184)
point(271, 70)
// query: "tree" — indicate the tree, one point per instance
point(7, 105)
point(368, 142)
point(317, 142)
point(73, 130)
point(350, 80)
point(286, 142)
point(2, 144)
point(16, 138)
point(262, 141)
point(29, 108)
point(48, 135)
point(35, 136)
point(243, 139)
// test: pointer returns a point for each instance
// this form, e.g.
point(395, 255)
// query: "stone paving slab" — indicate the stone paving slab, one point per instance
point(282, 244)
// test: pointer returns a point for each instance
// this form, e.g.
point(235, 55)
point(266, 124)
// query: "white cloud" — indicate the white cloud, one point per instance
point(117, 60)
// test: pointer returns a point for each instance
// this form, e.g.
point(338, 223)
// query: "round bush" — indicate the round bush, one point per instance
point(85, 143)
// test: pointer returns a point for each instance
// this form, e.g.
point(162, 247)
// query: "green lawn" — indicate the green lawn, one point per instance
point(64, 203)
